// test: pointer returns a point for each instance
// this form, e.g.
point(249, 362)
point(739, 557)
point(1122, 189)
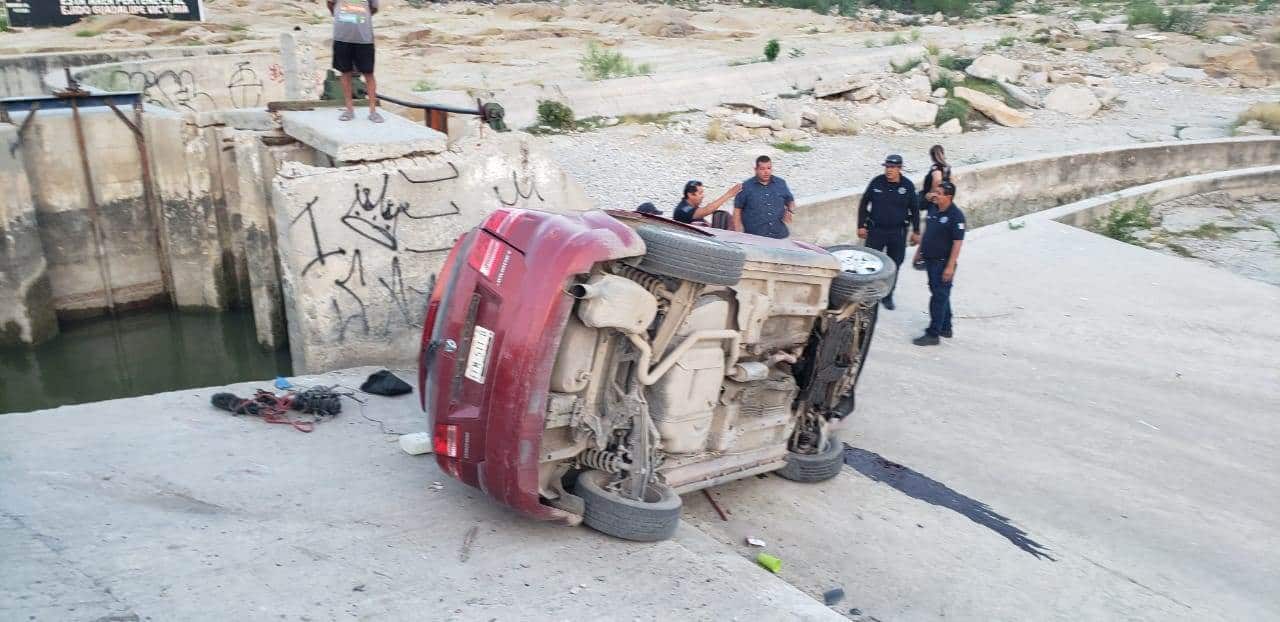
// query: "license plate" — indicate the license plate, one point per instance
point(479, 355)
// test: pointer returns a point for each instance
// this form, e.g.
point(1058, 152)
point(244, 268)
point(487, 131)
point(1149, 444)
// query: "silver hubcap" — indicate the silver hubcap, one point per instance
point(858, 262)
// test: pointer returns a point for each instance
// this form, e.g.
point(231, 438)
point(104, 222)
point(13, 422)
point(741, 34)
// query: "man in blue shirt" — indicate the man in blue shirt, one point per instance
point(940, 248)
point(765, 204)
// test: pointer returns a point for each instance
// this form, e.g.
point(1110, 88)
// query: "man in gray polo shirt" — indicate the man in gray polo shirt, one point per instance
point(765, 204)
point(353, 50)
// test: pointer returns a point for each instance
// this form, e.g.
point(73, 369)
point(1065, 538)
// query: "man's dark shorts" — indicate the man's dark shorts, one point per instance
point(349, 57)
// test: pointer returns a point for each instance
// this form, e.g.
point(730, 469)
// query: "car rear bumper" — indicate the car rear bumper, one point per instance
point(498, 412)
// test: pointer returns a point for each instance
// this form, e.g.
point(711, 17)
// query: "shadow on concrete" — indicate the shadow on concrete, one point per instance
point(918, 486)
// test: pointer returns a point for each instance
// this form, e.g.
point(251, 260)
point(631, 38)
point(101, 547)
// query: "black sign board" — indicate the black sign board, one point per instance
point(62, 12)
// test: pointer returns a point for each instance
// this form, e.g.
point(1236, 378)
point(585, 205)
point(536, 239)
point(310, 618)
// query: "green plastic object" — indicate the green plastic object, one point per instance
point(770, 563)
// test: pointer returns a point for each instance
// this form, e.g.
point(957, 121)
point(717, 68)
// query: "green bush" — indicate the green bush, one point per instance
point(1004, 6)
point(897, 39)
point(905, 67)
point(953, 109)
point(554, 114)
point(926, 7)
point(943, 82)
point(4, 22)
point(954, 63)
point(844, 8)
point(1041, 8)
point(791, 147)
point(771, 50)
point(992, 89)
point(1173, 20)
point(601, 64)
point(1006, 41)
point(1122, 224)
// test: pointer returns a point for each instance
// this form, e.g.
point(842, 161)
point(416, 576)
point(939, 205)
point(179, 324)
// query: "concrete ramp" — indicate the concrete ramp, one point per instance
point(161, 507)
point(1094, 444)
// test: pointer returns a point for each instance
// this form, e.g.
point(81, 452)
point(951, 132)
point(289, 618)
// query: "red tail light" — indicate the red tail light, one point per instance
point(446, 440)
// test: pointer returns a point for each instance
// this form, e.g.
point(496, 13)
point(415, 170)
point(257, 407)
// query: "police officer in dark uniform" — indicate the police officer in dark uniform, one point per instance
point(940, 250)
point(889, 205)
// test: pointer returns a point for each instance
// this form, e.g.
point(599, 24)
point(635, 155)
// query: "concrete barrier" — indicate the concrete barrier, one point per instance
point(358, 245)
point(26, 305)
point(1238, 183)
point(27, 75)
point(194, 84)
point(1002, 189)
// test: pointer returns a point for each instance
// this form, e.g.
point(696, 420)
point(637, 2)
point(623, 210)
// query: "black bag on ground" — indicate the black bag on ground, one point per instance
point(385, 383)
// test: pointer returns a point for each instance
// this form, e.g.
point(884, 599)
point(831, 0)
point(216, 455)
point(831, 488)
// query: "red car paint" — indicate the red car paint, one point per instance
point(507, 276)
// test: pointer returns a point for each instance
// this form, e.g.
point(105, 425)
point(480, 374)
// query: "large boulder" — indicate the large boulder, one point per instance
point(1185, 74)
point(833, 86)
point(752, 120)
point(1022, 96)
point(914, 113)
point(952, 127)
point(995, 67)
point(993, 108)
point(865, 93)
point(919, 88)
point(1077, 101)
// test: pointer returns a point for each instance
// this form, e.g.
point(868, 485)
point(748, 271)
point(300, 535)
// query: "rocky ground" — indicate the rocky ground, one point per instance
point(1047, 76)
point(1240, 235)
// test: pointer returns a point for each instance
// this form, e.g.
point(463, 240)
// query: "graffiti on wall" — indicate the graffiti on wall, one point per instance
point(179, 89)
point(369, 253)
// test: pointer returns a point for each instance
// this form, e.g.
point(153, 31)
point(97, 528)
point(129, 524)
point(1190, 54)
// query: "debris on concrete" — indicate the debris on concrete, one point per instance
point(755, 542)
point(769, 562)
point(416, 443)
point(833, 596)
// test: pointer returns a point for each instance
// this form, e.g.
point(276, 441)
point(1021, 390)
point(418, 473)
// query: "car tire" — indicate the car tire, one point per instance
point(866, 275)
point(653, 519)
point(682, 255)
point(818, 467)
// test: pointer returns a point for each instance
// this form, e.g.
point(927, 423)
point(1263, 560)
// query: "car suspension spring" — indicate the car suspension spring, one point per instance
point(606, 461)
point(650, 282)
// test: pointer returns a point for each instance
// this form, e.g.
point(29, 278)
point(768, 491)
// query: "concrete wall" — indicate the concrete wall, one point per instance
point(999, 190)
point(26, 305)
point(358, 245)
point(80, 270)
point(37, 74)
point(1238, 183)
point(195, 84)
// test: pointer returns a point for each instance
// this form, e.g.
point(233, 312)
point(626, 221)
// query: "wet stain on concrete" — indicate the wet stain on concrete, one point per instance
point(919, 486)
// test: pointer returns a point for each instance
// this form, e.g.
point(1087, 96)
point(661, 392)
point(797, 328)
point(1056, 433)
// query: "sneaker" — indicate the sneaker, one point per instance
point(888, 303)
point(946, 332)
point(926, 340)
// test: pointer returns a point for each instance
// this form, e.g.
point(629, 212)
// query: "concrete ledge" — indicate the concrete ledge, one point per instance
point(1002, 189)
point(255, 119)
point(361, 140)
point(1245, 182)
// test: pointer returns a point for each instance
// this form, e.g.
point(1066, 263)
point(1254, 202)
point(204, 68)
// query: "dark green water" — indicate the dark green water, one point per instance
point(136, 354)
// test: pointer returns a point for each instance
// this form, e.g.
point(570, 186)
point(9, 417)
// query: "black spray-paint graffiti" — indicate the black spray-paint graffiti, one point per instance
point(378, 219)
point(371, 297)
point(243, 87)
point(176, 90)
point(179, 89)
point(520, 194)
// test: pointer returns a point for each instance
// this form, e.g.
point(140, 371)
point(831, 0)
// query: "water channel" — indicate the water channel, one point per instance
point(136, 354)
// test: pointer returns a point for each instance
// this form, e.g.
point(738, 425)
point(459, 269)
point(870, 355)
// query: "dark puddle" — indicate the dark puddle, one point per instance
point(918, 486)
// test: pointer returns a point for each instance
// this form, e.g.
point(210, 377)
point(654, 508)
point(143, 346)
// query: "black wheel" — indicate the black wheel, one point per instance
point(675, 253)
point(818, 467)
point(866, 275)
point(655, 518)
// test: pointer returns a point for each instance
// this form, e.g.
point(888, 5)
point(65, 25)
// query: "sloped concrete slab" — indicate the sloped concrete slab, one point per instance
point(361, 140)
point(163, 508)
